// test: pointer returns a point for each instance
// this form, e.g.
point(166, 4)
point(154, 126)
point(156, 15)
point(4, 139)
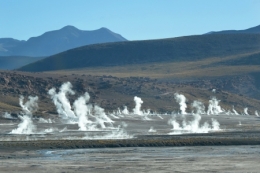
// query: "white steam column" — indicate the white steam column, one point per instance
point(181, 99)
point(214, 108)
point(61, 101)
point(138, 104)
point(26, 126)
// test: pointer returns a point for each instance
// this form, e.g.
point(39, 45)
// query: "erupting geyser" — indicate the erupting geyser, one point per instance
point(87, 116)
point(138, 104)
point(199, 107)
point(235, 112)
point(125, 111)
point(26, 126)
point(214, 108)
point(246, 111)
point(193, 126)
point(137, 110)
point(61, 101)
point(82, 110)
point(181, 99)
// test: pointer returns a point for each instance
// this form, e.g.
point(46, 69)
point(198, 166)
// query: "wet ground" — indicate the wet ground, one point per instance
point(135, 159)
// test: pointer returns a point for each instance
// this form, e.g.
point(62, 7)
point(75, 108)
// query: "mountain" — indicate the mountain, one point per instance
point(253, 30)
point(53, 42)
point(8, 45)
point(181, 49)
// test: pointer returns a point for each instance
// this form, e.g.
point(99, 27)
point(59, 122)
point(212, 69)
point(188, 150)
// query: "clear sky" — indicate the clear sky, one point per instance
point(133, 19)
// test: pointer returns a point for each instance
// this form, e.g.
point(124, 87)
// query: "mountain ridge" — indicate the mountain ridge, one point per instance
point(56, 41)
point(252, 30)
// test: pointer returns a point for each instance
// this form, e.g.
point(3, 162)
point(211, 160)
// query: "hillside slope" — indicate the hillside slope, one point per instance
point(190, 48)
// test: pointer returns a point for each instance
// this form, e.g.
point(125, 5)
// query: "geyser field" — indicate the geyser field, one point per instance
point(83, 122)
point(79, 136)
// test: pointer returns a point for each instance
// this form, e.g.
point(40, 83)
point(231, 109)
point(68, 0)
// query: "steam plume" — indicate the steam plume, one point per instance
point(61, 101)
point(125, 110)
point(198, 106)
point(138, 104)
point(246, 111)
point(81, 109)
point(181, 99)
point(26, 126)
point(235, 112)
point(193, 126)
point(213, 107)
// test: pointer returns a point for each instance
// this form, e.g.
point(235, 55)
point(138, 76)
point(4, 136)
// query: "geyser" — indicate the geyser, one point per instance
point(246, 111)
point(193, 126)
point(181, 99)
point(138, 104)
point(235, 112)
point(199, 107)
point(125, 111)
point(82, 110)
point(61, 101)
point(87, 116)
point(26, 126)
point(214, 108)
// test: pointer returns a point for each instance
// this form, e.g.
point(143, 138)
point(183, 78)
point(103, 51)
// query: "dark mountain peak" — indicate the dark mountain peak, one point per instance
point(69, 28)
point(103, 29)
point(73, 28)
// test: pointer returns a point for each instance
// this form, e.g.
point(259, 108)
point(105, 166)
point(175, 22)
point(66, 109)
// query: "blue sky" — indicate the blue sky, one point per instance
point(133, 19)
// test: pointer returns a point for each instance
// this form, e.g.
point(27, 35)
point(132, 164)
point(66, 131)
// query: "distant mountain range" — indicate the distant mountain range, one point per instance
point(253, 30)
point(189, 48)
point(57, 41)
point(70, 48)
